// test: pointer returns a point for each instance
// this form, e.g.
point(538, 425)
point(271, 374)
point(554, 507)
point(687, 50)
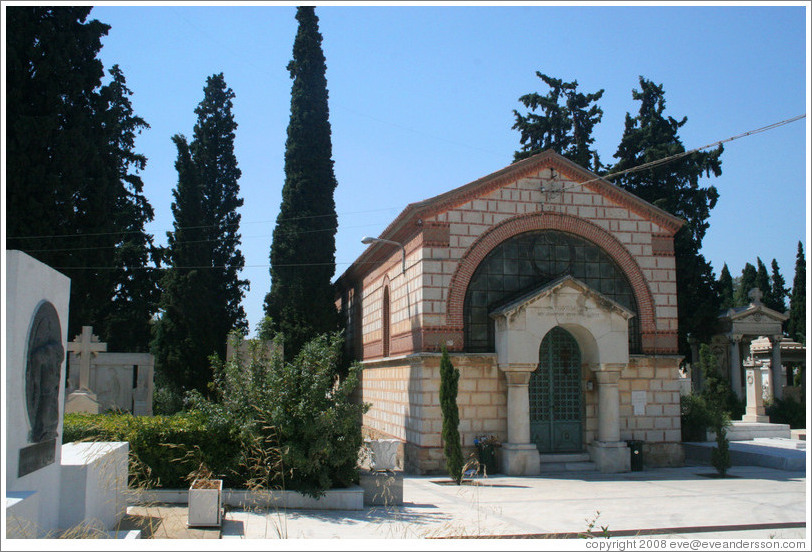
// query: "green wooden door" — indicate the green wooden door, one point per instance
point(556, 402)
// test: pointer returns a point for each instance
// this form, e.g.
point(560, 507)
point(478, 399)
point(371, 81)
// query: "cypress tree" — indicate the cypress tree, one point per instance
point(725, 288)
point(212, 152)
point(796, 325)
point(452, 448)
point(564, 122)
point(762, 280)
point(748, 281)
point(301, 301)
point(778, 290)
point(201, 290)
point(181, 363)
point(674, 186)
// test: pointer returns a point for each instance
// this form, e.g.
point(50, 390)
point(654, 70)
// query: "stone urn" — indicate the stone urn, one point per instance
point(205, 503)
point(384, 454)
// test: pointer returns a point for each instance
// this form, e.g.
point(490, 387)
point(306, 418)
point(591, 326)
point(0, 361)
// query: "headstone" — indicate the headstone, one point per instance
point(36, 306)
point(755, 396)
point(108, 381)
point(85, 346)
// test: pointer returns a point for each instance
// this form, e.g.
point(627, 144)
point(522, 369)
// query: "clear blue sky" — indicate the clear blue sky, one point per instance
point(422, 100)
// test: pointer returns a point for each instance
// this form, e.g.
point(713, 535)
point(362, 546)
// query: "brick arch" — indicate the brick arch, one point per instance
point(520, 224)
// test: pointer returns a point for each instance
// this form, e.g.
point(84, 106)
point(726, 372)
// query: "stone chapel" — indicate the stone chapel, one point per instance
point(555, 293)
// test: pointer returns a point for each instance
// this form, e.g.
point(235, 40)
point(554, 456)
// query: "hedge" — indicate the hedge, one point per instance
point(164, 450)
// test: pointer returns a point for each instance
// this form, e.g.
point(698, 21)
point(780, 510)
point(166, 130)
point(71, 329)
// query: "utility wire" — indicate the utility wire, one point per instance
point(645, 166)
point(664, 160)
point(121, 233)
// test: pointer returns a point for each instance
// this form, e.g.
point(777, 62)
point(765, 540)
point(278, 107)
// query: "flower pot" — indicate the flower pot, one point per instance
point(205, 503)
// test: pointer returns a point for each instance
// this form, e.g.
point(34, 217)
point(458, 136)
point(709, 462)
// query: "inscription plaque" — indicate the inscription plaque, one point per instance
point(34, 457)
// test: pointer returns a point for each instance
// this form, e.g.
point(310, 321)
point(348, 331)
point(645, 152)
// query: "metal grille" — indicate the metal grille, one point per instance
point(533, 259)
point(555, 394)
point(555, 386)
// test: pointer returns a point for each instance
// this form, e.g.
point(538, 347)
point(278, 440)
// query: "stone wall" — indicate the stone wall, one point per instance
point(388, 384)
point(426, 303)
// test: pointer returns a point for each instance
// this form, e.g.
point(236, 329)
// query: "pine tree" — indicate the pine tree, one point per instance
point(75, 201)
point(301, 301)
point(452, 448)
point(725, 288)
point(796, 325)
point(747, 282)
point(201, 290)
point(564, 123)
point(127, 324)
point(674, 186)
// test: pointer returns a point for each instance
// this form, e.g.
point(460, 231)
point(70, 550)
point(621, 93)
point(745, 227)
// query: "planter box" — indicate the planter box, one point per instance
point(205, 503)
point(351, 498)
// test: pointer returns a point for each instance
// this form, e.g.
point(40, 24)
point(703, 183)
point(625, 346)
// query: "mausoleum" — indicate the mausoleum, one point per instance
point(555, 293)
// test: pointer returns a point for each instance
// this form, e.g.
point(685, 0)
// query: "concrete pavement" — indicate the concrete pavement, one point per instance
point(685, 502)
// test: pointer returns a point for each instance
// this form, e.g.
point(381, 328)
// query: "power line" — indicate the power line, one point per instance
point(190, 242)
point(122, 233)
point(658, 162)
point(645, 166)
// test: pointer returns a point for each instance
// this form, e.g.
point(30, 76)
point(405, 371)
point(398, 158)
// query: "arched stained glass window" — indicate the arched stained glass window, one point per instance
point(530, 260)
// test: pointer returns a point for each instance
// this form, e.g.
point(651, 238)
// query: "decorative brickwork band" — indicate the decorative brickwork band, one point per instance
point(550, 221)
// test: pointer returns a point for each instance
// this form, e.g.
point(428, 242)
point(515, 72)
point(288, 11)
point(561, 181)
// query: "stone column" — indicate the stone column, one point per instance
point(610, 454)
point(778, 379)
point(608, 405)
point(735, 364)
point(519, 456)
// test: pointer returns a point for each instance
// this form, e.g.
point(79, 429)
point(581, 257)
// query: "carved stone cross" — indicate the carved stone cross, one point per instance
point(755, 295)
point(86, 345)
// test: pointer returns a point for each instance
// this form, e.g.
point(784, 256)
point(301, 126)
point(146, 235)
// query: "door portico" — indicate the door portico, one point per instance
point(598, 327)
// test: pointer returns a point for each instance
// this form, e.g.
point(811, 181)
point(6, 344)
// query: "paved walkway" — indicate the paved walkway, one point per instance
point(681, 503)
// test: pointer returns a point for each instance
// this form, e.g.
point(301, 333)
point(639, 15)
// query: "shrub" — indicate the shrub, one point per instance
point(716, 390)
point(296, 421)
point(720, 454)
point(695, 418)
point(787, 411)
point(163, 449)
point(452, 448)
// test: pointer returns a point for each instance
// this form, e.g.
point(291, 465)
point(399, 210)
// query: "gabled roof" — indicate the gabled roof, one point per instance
point(743, 312)
point(515, 305)
point(412, 216)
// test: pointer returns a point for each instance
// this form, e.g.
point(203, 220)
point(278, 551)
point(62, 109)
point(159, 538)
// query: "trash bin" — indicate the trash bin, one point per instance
point(636, 454)
point(486, 452)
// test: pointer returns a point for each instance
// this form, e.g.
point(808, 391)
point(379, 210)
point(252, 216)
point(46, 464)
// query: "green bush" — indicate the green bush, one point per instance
point(787, 411)
point(163, 449)
point(296, 422)
point(716, 390)
point(695, 418)
point(720, 454)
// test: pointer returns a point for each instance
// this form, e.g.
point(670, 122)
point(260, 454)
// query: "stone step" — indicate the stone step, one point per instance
point(750, 453)
point(568, 467)
point(559, 457)
point(566, 462)
point(746, 431)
